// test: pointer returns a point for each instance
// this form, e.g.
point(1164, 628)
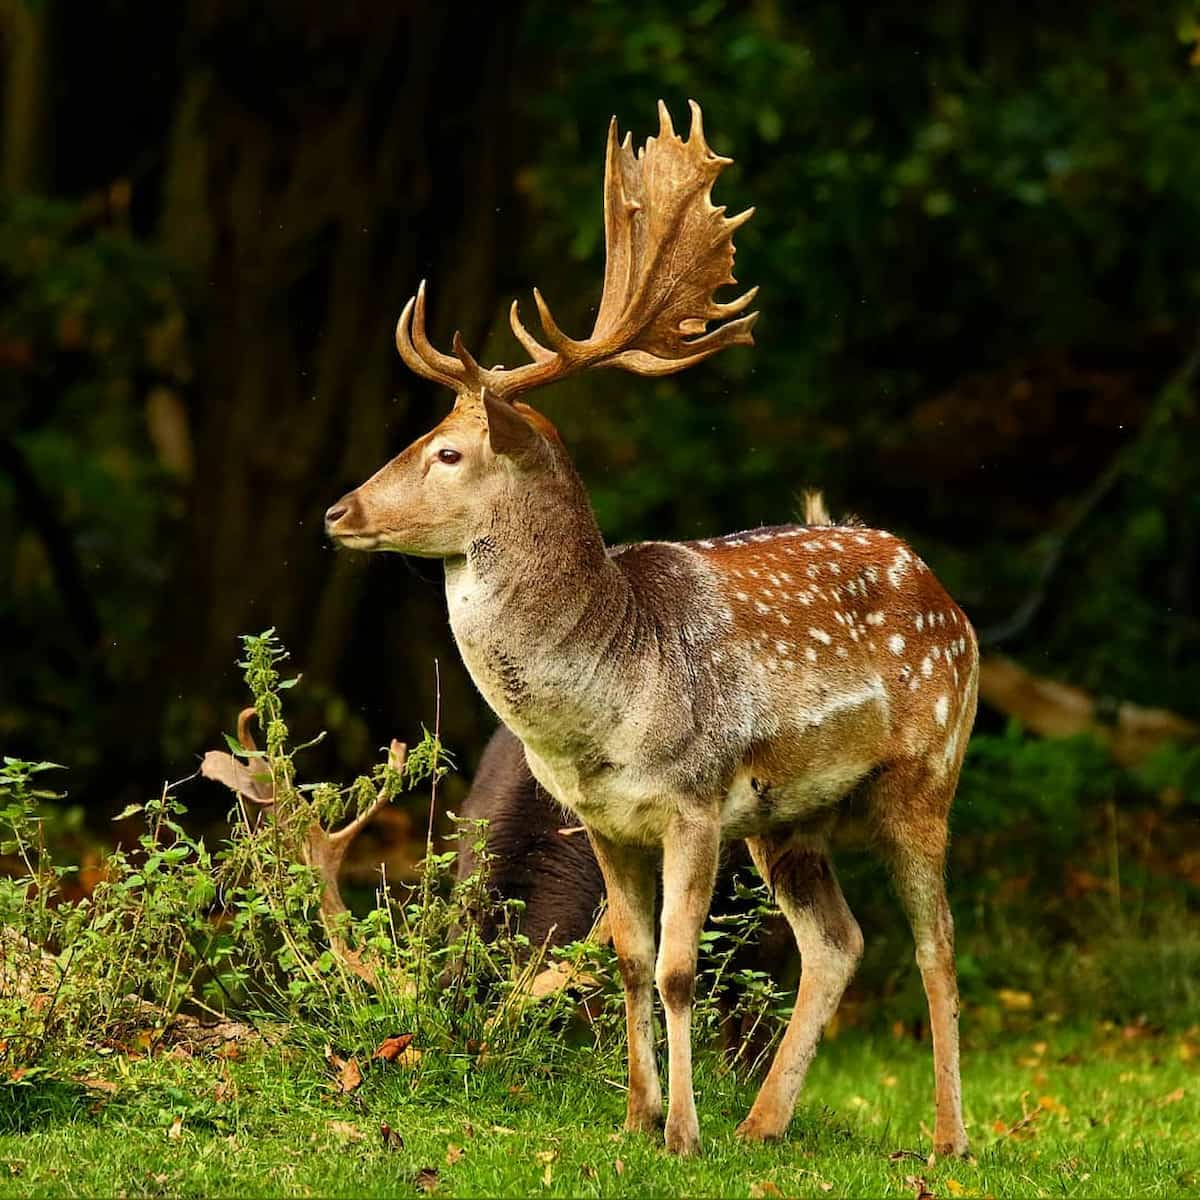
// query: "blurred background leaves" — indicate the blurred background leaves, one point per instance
point(976, 243)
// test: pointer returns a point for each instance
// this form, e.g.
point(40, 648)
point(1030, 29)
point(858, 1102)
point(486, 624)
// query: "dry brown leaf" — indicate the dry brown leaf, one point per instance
point(1172, 1097)
point(96, 1085)
point(546, 1156)
point(453, 1154)
point(391, 1138)
point(427, 1179)
point(392, 1047)
point(764, 1187)
point(347, 1131)
point(619, 1167)
point(558, 978)
point(349, 1075)
point(919, 1186)
point(175, 1132)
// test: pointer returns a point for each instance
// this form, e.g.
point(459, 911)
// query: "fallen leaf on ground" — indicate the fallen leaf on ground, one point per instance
point(427, 1179)
point(453, 1154)
point(391, 1138)
point(764, 1187)
point(346, 1131)
point(1172, 1097)
point(392, 1047)
point(349, 1076)
point(96, 1085)
point(920, 1188)
point(619, 1167)
point(546, 1156)
point(176, 1130)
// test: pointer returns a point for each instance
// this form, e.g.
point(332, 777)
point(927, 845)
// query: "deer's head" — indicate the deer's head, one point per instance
point(668, 249)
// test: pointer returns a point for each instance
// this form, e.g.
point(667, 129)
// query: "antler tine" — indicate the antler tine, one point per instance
point(696, 134)
point(418, 353)
point(533, 347)
point(471, 372)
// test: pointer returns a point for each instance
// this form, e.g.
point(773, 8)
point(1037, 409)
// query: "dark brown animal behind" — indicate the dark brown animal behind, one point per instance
point(556, 877)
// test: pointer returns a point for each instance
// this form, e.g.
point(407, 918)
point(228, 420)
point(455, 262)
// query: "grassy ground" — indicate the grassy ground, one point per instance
point(1096, 1111)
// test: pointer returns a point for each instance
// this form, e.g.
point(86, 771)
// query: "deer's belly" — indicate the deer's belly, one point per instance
point(756, 804)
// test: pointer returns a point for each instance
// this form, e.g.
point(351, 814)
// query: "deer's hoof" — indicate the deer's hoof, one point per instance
point(644, 1120)
point(683, 1139)
point(754, 1129)
point(953, 1147)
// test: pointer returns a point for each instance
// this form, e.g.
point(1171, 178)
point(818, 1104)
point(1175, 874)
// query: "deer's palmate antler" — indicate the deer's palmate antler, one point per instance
point(674, 695)
point(668, 249)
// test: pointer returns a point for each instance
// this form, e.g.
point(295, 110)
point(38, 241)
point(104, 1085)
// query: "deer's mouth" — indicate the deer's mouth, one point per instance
point(358, 541)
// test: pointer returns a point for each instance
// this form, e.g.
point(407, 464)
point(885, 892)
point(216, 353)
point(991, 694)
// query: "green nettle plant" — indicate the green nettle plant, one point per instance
point(176, 933)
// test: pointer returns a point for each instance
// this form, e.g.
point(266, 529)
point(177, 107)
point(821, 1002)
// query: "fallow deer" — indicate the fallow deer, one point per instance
point(677, 694)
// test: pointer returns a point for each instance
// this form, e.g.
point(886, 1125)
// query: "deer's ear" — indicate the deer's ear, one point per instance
point(509, 433)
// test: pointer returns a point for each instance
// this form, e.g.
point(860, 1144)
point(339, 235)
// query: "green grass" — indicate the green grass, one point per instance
point(1117, 1115)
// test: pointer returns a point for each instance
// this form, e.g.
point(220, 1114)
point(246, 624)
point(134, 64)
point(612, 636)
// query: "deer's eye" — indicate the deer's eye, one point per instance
point(448, 456)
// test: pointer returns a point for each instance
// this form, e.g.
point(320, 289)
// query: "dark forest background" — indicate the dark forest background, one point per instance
point(977, 244)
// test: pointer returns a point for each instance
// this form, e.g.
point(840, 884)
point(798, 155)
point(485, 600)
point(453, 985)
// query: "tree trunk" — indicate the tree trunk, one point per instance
point(309, 185)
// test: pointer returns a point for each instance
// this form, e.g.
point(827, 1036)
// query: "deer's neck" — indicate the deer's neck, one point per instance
point(533, 592)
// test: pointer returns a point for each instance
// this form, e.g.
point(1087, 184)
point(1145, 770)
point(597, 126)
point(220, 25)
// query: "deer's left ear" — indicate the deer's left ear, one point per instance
point(509, 433)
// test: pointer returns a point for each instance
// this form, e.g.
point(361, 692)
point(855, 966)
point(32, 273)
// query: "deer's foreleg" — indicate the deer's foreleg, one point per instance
point(690, 852)
point(629, 879)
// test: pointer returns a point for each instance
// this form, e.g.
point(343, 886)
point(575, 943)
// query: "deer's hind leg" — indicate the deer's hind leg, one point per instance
point(800, 874)
point(909, 806)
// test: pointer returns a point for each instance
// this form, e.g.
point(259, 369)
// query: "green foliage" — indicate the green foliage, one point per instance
point(93, 352)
